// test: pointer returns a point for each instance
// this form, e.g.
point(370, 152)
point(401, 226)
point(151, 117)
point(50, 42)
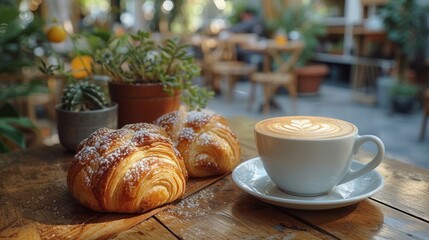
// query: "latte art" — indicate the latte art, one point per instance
point(305, 127)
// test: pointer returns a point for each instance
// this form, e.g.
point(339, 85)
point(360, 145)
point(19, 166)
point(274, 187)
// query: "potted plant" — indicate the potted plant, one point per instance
point(406, 27)
point(148, 81)
point(300, 21)
point(83, 109)
point(84, 106)
point(403, 97)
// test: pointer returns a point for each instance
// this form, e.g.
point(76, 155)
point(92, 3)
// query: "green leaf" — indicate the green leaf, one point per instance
point(21, 90)
point(11, 133)
point(20, 122)
point(8, 14)
point(8, 110)
point(3, 147)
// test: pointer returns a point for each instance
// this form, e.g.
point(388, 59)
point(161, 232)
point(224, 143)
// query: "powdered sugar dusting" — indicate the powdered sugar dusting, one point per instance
point(112, 139)
point(100, 165)
point(167, 119)
point(204, 139)
point(187, 134)
point(196, 205)
point(85, 154)
point(135, 171)
point(93, 138)
point(107, 148)
point(144, 137)
point(198, 118)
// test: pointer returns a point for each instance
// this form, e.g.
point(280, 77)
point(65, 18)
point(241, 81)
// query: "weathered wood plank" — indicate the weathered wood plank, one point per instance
point(365, 220)
point(406, 188)
point(222, 211)
point(34, 200)
point(150, 229)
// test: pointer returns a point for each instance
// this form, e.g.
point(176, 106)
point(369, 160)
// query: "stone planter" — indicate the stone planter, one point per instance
point(142, 102)
point(73, 127)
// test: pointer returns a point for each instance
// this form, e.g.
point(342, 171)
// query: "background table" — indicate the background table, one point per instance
point(267, 46)
point(35, 204)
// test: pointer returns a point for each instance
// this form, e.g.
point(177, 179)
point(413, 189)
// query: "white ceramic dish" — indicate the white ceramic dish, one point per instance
point(251, 177)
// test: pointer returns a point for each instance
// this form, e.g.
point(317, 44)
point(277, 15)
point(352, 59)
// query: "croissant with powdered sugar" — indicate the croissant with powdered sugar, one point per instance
point(204, 140)
point(132, 169)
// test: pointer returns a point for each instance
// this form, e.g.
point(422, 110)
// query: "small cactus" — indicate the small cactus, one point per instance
point(83, 95)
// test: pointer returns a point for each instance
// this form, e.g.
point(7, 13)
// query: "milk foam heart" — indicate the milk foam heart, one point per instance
point(306, 127)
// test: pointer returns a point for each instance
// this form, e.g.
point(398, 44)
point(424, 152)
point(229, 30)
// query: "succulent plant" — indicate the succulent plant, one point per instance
point(82, 96)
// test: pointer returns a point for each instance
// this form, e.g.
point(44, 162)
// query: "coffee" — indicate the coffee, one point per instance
point(305, 127)
point(309, 156)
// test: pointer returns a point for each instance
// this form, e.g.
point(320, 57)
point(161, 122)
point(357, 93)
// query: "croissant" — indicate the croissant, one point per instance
point(204, 140)
point(132, 169)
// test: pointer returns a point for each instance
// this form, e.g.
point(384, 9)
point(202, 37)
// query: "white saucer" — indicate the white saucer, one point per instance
point(250, 176)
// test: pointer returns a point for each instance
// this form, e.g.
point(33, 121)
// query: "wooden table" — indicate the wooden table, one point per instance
point(266, 47)
point(35, 204)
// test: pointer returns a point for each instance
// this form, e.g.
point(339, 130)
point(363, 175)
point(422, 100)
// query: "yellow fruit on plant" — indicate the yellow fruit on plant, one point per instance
point(81, 66)
point(56, 34)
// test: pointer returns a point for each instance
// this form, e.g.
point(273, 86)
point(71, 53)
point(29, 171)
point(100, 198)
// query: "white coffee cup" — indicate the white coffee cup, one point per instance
point(309, 155)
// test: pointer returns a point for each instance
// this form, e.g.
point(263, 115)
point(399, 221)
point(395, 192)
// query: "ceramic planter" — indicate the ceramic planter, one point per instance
point(309, 78)
point(73, 127)
point(142, 102)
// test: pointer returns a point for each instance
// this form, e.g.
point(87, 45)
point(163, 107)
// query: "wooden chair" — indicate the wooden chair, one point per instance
point(283, 76)
point(220, 62)
point(425, 115)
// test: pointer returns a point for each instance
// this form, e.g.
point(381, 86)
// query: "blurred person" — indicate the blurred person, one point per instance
point(249, 23)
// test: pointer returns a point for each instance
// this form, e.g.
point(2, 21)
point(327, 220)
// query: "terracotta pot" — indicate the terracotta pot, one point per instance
point(309, 78)
point(73, 127)
point(142, 102)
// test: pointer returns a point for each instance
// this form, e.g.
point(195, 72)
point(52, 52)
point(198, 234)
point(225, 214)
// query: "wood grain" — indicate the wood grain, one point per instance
point(365, 220)
point(150, 229)
point(35, 200)
point(406, 188)
point(223, 211)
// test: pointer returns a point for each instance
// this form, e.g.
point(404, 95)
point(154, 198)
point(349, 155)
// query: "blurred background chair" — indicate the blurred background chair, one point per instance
point(425, 115)
point(282, 76)
point(220, 61)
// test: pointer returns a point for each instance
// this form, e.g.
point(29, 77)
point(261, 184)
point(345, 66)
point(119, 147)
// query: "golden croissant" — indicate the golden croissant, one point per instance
point(204, 140)
point(132, 169)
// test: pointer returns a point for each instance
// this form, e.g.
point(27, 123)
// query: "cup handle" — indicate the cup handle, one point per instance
point(352, 174)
